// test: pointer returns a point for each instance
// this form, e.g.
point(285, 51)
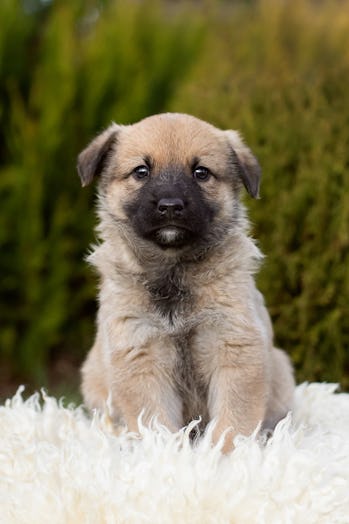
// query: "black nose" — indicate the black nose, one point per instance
point(171, 207)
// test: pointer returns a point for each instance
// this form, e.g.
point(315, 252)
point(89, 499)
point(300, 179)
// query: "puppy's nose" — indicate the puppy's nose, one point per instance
point(171, 207)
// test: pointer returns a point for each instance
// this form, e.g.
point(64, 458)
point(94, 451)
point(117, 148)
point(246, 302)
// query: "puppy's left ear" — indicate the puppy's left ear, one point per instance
point(94, 159)
point(247, 164)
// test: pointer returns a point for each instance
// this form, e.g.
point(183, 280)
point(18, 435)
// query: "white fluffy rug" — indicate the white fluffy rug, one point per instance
point(59, 467)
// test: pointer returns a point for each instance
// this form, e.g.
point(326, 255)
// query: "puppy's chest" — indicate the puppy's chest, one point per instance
point(170, 294)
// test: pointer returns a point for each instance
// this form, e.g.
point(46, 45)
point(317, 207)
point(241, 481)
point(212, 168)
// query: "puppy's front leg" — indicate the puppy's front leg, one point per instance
point(142, 380)
point(237, 393)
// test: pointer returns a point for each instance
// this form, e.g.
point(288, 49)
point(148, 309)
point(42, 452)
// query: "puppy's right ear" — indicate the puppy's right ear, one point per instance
point(93, 160)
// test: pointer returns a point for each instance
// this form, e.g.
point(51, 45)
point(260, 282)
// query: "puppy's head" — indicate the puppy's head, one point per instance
point(172, 179)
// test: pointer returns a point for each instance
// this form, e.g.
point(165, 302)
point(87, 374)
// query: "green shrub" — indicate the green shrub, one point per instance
point(68, 69)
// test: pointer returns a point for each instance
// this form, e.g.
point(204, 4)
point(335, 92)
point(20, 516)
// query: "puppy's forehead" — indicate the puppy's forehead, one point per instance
point(172, 138)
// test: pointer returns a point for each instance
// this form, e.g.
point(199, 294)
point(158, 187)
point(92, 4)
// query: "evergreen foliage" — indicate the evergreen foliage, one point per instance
point(278, 71)
point(67, 70)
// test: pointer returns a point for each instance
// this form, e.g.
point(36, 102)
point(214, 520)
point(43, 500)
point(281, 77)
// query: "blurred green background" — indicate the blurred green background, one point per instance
point(276, 70)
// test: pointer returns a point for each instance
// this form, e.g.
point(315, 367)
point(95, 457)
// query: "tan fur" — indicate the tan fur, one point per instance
point(227, 368)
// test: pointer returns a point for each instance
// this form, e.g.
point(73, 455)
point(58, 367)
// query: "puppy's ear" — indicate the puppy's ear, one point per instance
point(94, 158)
point(246, 162)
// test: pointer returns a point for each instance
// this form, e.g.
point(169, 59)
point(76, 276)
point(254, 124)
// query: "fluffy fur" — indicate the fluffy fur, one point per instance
point(58, 466)
point(182, 331)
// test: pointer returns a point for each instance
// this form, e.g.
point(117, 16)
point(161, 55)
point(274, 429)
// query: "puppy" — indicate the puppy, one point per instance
point(182, 331)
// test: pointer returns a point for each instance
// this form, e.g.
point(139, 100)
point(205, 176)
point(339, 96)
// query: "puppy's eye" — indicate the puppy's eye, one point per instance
point(141, 172)
point(201, 173)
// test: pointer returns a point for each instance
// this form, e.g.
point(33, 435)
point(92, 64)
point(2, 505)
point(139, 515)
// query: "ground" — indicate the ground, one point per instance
point(63, 380)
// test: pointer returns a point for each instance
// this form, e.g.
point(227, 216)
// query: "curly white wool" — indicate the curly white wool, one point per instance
point(57, 466)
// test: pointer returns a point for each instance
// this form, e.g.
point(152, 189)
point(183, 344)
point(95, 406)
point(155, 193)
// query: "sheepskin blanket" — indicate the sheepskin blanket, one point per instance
point(58, 466)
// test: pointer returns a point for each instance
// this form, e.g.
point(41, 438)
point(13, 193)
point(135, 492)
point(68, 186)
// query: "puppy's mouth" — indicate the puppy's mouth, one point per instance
point(171, 236)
